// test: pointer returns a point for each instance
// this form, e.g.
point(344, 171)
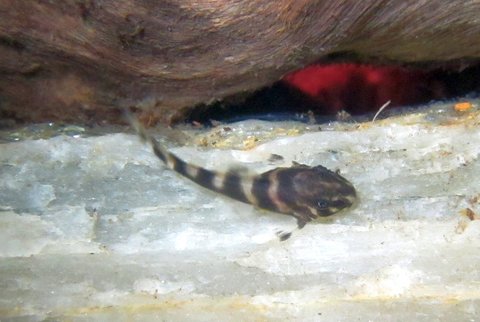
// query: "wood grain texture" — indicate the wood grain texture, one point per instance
point(80, 60)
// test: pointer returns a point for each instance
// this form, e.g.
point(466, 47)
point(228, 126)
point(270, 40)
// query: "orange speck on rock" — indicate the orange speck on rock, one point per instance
point(462, 106)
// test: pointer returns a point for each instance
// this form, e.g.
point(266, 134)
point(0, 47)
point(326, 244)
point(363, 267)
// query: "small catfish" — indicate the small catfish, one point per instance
point(300, 191)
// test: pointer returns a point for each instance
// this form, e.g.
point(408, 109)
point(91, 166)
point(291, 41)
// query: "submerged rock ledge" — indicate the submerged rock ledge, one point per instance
point(96, 227)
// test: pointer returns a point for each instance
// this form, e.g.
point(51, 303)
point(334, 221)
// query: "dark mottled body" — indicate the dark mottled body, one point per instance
point(300, 191)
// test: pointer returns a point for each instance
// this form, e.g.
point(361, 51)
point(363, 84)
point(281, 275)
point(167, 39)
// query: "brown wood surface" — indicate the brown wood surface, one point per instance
point(81, 60)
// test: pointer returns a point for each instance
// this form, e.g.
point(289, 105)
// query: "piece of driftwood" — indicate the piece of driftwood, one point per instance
point(81, 60)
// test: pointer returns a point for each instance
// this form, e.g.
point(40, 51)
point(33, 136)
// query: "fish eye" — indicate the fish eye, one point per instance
point(322, 204)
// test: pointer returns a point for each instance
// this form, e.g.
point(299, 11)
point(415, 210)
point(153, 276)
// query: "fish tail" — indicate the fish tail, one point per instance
point(158, 149)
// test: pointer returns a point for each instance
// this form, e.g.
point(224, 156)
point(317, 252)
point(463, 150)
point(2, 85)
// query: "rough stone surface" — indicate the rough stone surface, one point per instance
point(93, 226)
